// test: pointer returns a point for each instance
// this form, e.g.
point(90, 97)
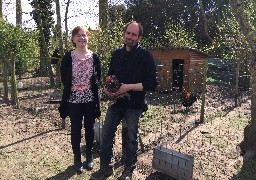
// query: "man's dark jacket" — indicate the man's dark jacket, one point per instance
point(131, 67)
point(66, 79)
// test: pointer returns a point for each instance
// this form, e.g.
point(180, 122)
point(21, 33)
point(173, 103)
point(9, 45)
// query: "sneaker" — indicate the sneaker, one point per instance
point(102, 173)
point(126, 175)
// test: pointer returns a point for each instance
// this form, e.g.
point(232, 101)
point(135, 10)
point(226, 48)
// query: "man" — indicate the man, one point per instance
point(135, 68)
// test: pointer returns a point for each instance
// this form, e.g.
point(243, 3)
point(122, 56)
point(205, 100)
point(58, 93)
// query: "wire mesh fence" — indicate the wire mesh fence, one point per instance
point(167, 122)
point(36, 83)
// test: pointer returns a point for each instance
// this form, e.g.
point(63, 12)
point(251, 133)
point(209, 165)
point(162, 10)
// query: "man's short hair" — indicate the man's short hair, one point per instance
point(140, 27)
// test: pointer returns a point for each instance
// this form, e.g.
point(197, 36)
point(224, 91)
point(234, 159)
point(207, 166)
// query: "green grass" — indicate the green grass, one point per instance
point(211, 80)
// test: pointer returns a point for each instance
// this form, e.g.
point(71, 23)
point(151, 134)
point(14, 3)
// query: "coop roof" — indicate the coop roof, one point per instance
point(178, 48)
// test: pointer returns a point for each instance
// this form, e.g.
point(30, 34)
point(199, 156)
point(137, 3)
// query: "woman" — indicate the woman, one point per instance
point(80, 74)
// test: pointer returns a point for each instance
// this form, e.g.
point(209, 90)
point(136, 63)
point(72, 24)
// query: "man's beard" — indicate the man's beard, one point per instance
point(130, 43)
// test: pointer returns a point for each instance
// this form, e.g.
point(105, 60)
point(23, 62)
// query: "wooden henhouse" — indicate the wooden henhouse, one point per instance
point(180, 67)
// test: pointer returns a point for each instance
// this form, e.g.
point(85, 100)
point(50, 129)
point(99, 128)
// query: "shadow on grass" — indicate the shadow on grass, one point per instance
point(65, 175)
point(247, 171)
point(31, 137)
point(186, 133)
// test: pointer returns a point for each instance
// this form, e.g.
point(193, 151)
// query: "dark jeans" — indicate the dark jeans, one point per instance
point(79, 112)
point(113, 118)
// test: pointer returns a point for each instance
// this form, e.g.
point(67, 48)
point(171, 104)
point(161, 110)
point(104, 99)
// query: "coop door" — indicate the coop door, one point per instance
point(177, 65)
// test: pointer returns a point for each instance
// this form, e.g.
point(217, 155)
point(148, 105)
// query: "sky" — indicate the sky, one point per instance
point(81, 12)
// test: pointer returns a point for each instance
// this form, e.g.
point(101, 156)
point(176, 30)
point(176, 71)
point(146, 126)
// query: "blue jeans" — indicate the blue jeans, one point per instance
point(113, 118)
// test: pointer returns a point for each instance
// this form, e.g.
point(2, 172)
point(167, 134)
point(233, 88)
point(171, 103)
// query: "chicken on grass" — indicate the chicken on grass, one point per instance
point(187, 98)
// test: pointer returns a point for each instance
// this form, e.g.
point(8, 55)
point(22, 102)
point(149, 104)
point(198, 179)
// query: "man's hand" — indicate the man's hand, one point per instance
point(124, 88)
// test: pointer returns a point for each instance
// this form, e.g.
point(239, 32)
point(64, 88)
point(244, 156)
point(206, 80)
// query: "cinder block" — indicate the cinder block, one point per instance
point(175, 164)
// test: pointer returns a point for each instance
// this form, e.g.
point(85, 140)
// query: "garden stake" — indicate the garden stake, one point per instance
point(63, 123)
point(141, 143)
point(180, 131)
point(161, 126)
point(26, 125)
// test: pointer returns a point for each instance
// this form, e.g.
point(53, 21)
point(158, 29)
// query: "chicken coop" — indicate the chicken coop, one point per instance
point(180, 67)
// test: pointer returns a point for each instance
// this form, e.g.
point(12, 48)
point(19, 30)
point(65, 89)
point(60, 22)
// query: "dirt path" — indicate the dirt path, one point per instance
point(33, 147)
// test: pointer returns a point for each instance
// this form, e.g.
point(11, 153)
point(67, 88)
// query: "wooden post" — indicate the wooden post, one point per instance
point(203, 92)
point(63, 124)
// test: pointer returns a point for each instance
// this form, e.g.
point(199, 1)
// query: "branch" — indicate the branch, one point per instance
point(205, 21)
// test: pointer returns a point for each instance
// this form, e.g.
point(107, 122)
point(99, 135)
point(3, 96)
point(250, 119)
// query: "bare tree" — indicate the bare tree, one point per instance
point(249, 144)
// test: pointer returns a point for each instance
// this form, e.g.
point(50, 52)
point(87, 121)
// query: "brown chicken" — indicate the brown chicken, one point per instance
point(188, 99)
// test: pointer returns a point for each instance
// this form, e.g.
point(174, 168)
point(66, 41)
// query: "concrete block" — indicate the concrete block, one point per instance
point(175, 164)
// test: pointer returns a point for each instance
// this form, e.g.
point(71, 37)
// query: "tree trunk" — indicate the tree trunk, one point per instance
point(59, 30)
point(205, 22)
point(203, 93)
point(249, 144)
point(237, 82)
point(59, 35)
point(1, 9)
point(14, 91)
point(103, 13)
point(5, 81)
point(59, 27)
point(44, 44)
point(18, 13)
point(66, 25)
